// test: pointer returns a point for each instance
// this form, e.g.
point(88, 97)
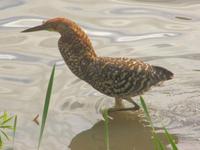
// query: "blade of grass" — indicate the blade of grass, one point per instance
point(146, 112)
point(46, 105)
point(5, 134)
point(5, 115)
point(2, 115)
point(156, 146)
point(106, 122)
point(170, 139)
point(7, 120)
point(6, 127)
point(157, 142)
point(14, 129)
point(1, 143)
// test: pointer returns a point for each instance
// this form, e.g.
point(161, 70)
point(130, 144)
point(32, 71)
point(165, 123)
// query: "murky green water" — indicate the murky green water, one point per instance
point(160, 32)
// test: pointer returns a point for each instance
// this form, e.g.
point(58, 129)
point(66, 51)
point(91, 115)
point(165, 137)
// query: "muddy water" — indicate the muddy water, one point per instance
point(159, 32)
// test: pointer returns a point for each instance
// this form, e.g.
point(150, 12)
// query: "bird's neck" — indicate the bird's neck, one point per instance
point(77, 51)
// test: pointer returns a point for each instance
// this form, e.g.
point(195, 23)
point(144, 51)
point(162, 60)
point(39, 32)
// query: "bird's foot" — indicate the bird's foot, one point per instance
point(137, 107)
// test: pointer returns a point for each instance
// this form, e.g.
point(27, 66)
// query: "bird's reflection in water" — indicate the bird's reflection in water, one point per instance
point(127, 131)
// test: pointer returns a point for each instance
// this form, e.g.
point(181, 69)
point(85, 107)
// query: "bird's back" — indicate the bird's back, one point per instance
point(123, 77)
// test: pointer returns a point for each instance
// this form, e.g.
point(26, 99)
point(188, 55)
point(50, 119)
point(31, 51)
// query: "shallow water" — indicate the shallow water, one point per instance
point(160, 32)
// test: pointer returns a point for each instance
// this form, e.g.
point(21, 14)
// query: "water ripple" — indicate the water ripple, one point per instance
point(169, 3)
point(18, 56)
point(146, 36)
point(5, 4)
point(16, 79)
point(21, 21)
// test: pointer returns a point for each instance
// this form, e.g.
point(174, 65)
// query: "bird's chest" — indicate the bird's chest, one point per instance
point(72, 61)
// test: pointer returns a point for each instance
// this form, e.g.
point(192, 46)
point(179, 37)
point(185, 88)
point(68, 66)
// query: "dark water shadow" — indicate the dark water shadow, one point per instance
point(128, 131)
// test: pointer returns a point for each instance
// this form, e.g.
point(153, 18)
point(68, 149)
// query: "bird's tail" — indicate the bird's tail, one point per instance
point(162, 74)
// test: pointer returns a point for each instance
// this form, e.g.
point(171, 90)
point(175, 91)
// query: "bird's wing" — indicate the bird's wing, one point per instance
point(119, 76)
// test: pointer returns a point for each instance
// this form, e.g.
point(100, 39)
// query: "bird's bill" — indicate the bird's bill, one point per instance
point(36, 28)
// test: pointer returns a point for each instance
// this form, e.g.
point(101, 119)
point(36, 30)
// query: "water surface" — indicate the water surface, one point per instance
point(160, 32)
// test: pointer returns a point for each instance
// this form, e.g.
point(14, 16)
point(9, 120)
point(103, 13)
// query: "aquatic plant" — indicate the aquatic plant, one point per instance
point(46, 105)
point(6, 124)
point(14, 129)
point(106, 123)
point(157, 142)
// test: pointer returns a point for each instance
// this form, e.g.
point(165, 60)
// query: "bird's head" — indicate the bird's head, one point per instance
point(55, 24)
point(67, 28)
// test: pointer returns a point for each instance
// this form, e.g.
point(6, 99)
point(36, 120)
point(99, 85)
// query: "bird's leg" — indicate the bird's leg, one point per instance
point(137, 107)
point(120, 107)
point(118, 103)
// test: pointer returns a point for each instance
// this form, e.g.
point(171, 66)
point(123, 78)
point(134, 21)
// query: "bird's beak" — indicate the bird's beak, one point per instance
point(36, 28)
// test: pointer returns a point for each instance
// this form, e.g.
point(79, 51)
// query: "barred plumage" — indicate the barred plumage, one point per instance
point(121, 78)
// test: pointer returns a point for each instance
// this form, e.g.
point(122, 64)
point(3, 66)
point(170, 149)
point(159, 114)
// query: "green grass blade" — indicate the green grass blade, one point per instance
point(146, 112)
point(1, 116)
point(170, 139)
point(6, 120)
point(1, 143)
point(6, 127)
point(5, 115)
point(156, 145)
point(157, 142)
point(106, 122)
point(14, 129)
point(6, 136)
point(46, 105)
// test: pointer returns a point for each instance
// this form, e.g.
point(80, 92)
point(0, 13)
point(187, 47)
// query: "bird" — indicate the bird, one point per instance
point(117, 77)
